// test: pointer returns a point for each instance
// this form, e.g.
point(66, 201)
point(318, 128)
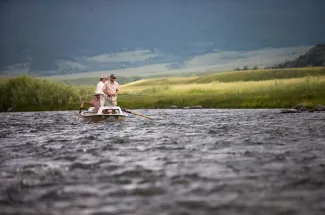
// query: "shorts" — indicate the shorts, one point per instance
point(109, 102)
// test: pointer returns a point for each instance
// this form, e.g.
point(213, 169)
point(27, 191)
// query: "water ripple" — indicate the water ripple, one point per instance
point(182, 162)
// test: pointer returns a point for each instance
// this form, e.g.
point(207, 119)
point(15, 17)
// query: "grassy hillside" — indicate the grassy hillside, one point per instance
point(277, 88)
point(313, 57)
point(243, 89)
point(235, 76)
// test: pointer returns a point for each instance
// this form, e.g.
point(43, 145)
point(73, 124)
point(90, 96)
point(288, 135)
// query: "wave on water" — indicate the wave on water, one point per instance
point(182, 162)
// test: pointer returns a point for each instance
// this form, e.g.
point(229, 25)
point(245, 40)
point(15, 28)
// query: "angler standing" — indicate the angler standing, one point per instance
point(111, 89)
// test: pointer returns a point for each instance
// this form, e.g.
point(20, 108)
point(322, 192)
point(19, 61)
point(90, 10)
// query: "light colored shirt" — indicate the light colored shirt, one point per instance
point(96, 103)
point(100, 87)
point(112, 88)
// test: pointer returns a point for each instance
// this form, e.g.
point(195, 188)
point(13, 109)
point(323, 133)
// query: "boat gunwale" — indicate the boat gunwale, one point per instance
point(93, 113)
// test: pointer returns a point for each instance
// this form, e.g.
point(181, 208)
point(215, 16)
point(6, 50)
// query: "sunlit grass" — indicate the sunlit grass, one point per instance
point(250, 94)
point(167, 89)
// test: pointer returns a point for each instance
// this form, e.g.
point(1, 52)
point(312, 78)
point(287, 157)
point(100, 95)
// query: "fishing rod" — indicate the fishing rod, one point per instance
point(143, 95)
point(136, 114)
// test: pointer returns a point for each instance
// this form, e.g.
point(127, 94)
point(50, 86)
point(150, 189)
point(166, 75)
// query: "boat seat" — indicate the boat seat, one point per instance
point(91, 109)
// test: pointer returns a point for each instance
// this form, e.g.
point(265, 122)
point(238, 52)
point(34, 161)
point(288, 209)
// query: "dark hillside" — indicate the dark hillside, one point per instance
point(315, 57)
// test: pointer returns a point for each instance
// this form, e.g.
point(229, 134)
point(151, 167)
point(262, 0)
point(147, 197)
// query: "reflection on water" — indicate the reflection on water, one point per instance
point(182, 162)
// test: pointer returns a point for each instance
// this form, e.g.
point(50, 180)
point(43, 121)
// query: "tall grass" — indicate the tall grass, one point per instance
point(31, 93)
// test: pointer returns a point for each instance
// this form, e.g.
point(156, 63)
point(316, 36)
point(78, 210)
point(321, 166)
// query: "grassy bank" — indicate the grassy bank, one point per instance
point(282, 88)
point(30, 93)
point(282, 93)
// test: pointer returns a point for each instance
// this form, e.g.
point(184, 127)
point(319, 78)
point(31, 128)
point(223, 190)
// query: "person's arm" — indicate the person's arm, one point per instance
point(105, 90)
point(88, 103)
point(117, 90)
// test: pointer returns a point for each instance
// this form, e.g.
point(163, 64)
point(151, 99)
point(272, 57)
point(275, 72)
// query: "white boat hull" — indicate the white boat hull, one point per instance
point(115, 116)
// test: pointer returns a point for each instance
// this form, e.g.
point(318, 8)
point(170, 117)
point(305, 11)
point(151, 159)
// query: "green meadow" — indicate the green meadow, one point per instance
point(276, 88)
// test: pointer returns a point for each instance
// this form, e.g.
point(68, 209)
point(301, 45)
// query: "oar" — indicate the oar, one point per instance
point(81, 106)
point(136, 114)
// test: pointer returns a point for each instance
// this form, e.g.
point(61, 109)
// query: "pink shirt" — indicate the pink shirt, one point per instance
point(96, 103)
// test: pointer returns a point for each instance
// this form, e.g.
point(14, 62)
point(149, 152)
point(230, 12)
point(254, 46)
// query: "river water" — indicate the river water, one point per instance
point(182, 162)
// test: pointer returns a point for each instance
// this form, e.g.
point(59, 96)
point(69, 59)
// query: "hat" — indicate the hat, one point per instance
point(112, 76)
point(103, 76)
point(97, 94)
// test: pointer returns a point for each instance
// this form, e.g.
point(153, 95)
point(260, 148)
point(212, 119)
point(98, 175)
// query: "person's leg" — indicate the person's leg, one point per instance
point(102, 100)
point(107, 101)
point(110, 102)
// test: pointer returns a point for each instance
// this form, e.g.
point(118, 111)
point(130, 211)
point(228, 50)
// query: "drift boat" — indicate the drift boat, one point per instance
point(105, 113)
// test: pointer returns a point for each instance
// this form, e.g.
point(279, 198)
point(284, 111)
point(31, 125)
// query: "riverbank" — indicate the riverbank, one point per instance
point(281, 88)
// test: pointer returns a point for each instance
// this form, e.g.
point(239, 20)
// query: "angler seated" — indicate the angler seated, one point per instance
point(95, 103)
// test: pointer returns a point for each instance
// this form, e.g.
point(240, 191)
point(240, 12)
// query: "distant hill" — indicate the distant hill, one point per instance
point(315, 57)
point(45, 63)
point(40, 62)
point(124, 79)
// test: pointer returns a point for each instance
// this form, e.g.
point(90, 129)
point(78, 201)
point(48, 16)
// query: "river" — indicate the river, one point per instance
point(208, 161)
